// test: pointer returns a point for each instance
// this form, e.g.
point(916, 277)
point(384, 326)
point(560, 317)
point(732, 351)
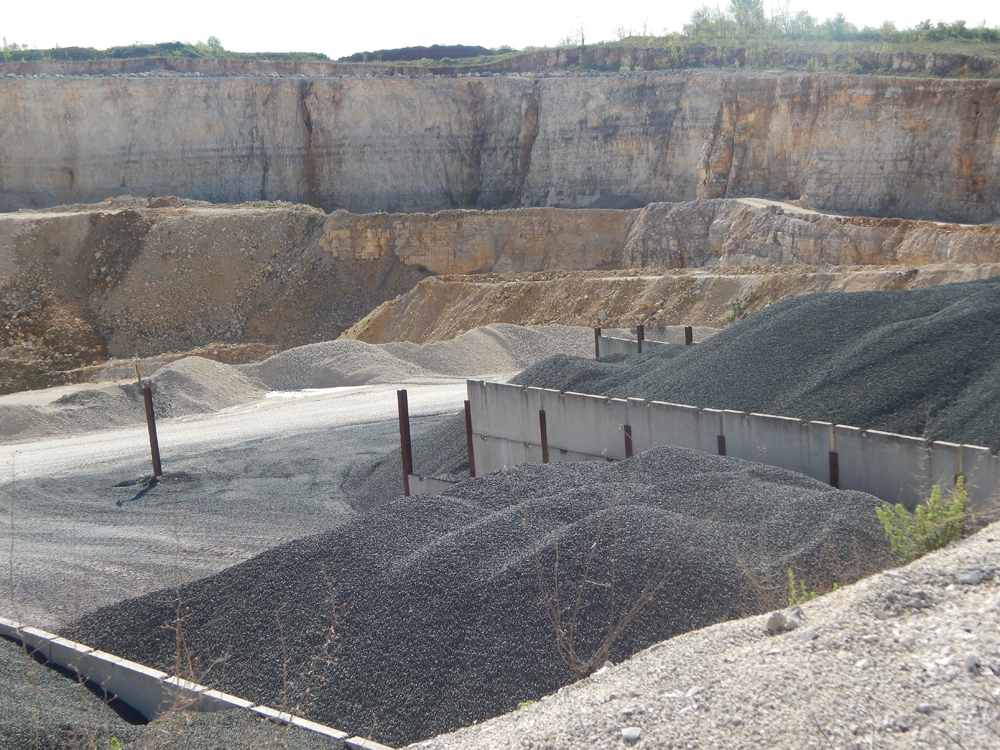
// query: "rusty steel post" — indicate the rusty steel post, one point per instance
point(722, 445)
point(544, 436)
point(688, 336)
point(154, 444)
point(628, 441)
point(597, 343)
point(640, 335)
point(468, 439)
point(405, 448)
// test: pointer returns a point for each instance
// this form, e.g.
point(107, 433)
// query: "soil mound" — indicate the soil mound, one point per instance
point(429, 612)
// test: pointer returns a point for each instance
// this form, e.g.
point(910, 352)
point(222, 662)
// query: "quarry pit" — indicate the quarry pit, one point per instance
point(280, 247)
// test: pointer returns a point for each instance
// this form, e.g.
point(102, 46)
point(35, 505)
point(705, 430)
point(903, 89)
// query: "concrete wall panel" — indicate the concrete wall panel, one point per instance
point(739, 440)
point(891, 467)
point(658, 423)
point(895, 468)
point(982, 478)
point(586, 424)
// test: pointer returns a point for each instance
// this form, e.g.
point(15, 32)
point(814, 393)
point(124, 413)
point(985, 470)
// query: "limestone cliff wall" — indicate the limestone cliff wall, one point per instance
point(882, 146)
point(735, 233)
point(689, 234)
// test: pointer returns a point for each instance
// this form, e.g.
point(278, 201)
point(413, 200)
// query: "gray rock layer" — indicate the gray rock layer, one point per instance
point(905, 147)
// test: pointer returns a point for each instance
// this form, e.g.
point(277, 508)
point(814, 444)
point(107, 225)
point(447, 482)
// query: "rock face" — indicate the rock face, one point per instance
point(462, 241)
point(751, 232)
point(913, 148)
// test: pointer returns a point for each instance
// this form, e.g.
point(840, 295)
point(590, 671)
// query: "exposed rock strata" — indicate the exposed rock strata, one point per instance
point(859, 144)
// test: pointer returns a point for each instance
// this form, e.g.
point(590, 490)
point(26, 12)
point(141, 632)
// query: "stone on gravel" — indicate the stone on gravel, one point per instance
point(971, 577)
point(631, 735)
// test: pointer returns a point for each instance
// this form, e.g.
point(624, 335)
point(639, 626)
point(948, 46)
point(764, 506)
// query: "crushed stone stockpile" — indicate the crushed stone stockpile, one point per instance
point(195, 385)
point(441, 618)
point(192, 385)
point(903, 660)
point(492, 349)
point(44, 708)
point(915, 362)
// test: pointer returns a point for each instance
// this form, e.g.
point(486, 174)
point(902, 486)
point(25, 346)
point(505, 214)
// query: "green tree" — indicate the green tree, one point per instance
point(749, 15)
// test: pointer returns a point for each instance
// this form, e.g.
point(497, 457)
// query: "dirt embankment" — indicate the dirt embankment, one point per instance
point(439, 308)
point(132, 277)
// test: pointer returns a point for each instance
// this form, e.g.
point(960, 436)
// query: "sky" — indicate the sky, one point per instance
point(340, 29)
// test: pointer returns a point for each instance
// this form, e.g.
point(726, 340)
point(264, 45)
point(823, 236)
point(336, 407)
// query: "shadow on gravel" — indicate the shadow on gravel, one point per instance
point(148, 482)
point(124, 710)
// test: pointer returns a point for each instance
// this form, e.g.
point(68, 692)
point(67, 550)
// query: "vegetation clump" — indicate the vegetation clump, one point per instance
point(932, 526)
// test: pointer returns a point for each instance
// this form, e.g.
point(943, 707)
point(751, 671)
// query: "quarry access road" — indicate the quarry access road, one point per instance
point(81, 527)
point(283, 414)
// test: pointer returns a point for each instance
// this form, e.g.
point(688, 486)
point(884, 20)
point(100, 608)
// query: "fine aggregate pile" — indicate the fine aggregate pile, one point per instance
point(427, 613)
point(917, 362)
point(195, 385)
point(490, 350)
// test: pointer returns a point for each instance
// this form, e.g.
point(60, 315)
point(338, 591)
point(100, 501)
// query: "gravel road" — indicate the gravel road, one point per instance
point(83, 528)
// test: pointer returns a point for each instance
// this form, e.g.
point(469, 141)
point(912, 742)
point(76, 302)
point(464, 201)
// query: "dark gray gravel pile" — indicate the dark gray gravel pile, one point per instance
point(439, 452)
point(914, 362)
point(443, 623)
point(43, 708)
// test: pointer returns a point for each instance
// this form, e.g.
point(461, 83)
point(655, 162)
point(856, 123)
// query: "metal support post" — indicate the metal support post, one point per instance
point(468, 439)
point(544, 436)
point(405, 448)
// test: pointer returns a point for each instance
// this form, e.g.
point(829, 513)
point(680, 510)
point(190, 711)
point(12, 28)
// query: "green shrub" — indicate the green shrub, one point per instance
point(797, 591)
point(932, 526)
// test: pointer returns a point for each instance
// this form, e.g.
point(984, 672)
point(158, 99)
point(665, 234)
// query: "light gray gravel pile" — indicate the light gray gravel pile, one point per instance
point(192, 385)
point(905, 659)
point(493, 349)
point(443, 622)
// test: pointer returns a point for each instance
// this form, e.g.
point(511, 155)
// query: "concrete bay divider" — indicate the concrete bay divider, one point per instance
point(582, 427)
point(150, 691)
point(613, 345)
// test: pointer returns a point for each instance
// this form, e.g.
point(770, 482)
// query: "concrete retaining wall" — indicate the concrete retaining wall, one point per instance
point(421, 485)
point(612, 345)
point(149, 691)
point(580, 427)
